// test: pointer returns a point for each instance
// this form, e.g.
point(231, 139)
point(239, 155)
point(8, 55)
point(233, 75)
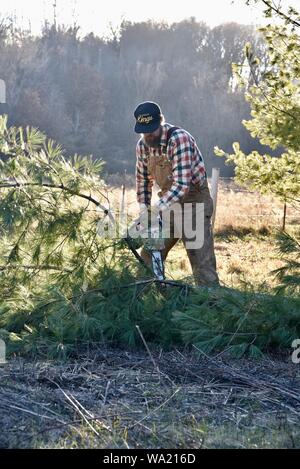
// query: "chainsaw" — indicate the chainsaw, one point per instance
point(151, 238)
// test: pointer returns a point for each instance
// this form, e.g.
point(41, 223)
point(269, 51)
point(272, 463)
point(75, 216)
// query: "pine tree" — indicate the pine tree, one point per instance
point(49, 207)
point(63, 286)
point(289, 274)
point(274, 97)
point(61, 283)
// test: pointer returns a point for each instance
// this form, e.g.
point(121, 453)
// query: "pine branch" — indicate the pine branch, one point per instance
point(280, 13)
point(61, 187)
point(270, 103)
point(33, 267)
point(84, 196)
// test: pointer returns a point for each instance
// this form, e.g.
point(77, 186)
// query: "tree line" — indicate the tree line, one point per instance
point(82, 91)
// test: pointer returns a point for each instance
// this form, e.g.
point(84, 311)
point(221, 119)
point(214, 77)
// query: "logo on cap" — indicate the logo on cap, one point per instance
point(144, 119)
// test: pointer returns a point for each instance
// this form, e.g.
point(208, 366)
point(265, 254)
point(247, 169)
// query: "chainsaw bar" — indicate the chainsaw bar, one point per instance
point(158, 265)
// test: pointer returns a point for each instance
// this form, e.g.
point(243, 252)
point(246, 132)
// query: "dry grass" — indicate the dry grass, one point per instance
point(117, 399)
point(244, 225)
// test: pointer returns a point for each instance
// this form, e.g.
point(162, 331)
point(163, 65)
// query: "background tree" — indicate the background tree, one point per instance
point(274, 96)
point(285, 12)
point(49, 208)
point(82, 91)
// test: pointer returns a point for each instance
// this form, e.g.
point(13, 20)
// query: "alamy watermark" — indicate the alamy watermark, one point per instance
point(296, 352)
point(2, 352)
point(183, 221)
point(2, 92)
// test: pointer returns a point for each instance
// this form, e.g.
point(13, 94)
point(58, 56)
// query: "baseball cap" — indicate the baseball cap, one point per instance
point(147, 116)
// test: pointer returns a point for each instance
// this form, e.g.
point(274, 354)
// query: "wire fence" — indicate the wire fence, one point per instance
point(251, 206)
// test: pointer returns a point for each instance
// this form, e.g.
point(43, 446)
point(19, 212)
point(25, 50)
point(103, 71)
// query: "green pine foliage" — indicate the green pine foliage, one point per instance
point(273, 92)
point(63, 286)
point(289, 273)
point(239, 322)
point(48, 216)
point(104, 315)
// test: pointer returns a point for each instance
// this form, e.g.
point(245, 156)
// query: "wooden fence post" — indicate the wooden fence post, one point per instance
point(284, 217)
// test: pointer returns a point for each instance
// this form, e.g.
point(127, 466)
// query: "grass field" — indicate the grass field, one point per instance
point(244, 227)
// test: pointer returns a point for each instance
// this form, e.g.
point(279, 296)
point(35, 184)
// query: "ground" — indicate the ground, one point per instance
point(129, 399)
point(113, 398)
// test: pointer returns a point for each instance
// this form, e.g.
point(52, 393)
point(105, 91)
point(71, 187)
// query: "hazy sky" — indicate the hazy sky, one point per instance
point(96, 15)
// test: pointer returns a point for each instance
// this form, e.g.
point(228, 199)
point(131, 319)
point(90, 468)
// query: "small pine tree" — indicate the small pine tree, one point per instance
point(289, 274)
point(49, 209)
point(274, 96)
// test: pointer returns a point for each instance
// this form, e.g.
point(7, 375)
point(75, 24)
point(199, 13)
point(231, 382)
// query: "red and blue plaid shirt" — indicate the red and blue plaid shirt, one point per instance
point(187, 166)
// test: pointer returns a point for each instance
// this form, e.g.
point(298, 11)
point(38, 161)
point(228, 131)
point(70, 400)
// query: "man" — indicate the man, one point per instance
point(170, 156)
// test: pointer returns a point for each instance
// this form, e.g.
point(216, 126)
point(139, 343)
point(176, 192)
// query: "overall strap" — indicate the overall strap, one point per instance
point(169, 133)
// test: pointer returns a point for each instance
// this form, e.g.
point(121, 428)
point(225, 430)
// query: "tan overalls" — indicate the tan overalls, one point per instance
point(203, 261)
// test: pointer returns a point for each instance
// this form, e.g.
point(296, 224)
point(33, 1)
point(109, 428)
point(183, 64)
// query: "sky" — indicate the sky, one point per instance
point(97, 16)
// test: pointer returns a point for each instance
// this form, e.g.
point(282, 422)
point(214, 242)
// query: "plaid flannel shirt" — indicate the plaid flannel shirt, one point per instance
point(187, 166)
